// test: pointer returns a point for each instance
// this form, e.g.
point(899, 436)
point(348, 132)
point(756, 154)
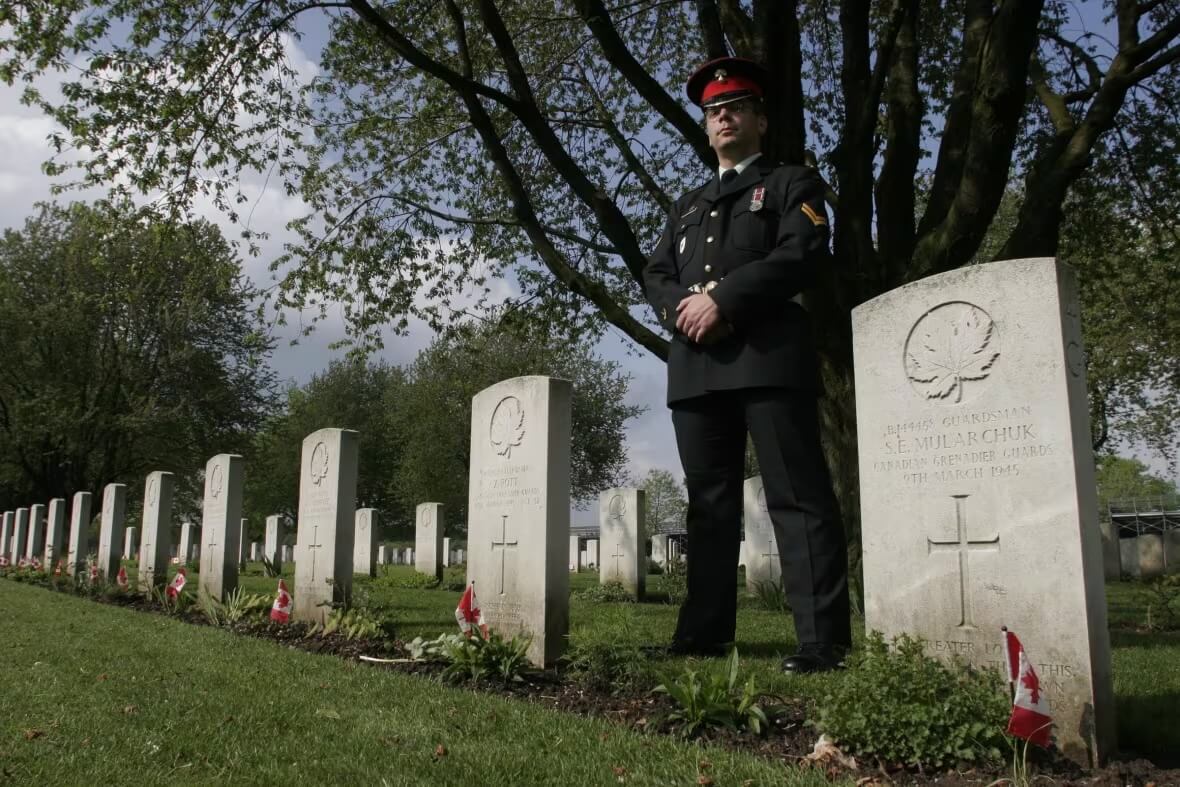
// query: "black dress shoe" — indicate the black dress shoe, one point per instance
point(815, 658)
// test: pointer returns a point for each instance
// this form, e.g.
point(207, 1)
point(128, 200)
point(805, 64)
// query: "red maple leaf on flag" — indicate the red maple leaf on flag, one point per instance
point(1031, 682)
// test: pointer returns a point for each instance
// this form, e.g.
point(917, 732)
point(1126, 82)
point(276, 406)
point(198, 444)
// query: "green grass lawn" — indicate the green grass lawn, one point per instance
point(233, 704)
point(1146, 665)
point(101, 694)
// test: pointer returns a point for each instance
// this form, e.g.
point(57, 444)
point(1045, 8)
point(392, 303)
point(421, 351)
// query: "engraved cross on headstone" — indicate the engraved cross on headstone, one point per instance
point(315, 536)
point(149, 557)
point(504, 544)
point(617, 555)
point(964, 546)
point(771, 555)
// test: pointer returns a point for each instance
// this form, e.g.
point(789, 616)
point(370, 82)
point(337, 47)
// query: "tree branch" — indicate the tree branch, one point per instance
point(597, 18)
point(502, 222)
point(996, 111)
point(633, 163)
point(956, 134)
point(738, 27)
point(612, 221)
point(903, 131)
point(709, 22)
point(780, 49)
point(576, 282)
point(1038, 228)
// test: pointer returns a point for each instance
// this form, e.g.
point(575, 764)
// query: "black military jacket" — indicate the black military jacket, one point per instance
point(762, 239)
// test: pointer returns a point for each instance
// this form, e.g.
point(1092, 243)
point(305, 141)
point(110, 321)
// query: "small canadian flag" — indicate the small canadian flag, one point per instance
point(280, 611)
point(121, 577)
point(1030, 717)
point(468, 613)
point(57, 569)
point(3, 561)
point(93, 573)
point(178, 583)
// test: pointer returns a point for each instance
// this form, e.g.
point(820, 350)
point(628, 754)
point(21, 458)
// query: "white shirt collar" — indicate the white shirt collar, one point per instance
point(740, 167)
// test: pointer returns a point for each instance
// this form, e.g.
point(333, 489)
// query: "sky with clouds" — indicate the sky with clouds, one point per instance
point(24, 146)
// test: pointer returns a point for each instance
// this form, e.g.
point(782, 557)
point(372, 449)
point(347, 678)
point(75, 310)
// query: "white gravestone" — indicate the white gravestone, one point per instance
point(20, 535)
point(584, 558)
point(221, 525)
point(575, 554)
point(77, 546)
point(188, 537)
point(364, 547)
point(130, 543)
point(326, 524)
point(446, 552)
point(428, 540)
point(1151, 555)
point(592, 552)
point(243, 543)
point(762, 557)
point(977, 481)
point(276, 529)
point(35, 545)
point(255, 551)
point(288, 553)
point(110, 532)
point(409, 556)
point(518, 509)
point(55, 532)
point(382, 555)
point(461, 556)
point(623, 532)
point(9, 523)
point(659, 549)
point(156, 544)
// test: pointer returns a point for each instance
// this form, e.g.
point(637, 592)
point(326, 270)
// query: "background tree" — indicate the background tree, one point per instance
point(434, 413)
point(130, 345)
point(577, 106)
point(349, 394)
point(1126, 480)
point(667, 501)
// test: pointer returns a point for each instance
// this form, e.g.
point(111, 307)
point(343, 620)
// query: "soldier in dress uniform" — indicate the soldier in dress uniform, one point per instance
point(733, 255)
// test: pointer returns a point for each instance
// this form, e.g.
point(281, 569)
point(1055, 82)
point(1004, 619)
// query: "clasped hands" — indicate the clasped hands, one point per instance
point(698, 318)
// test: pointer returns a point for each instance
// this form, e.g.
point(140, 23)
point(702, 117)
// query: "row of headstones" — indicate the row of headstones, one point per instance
point(978, 505)
point(23, 533)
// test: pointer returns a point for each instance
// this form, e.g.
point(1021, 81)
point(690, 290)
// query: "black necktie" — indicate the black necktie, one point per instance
point(728, 175)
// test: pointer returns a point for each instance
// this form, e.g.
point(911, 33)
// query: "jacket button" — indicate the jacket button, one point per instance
point(713, 213)
point(708, 269)
point(709, 239)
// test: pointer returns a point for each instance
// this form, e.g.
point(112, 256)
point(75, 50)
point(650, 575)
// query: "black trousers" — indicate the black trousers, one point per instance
point(784, 426)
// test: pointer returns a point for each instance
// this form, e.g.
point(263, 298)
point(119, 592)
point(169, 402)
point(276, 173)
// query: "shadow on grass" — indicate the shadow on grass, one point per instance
point(1128, 638)
point(1143, 731)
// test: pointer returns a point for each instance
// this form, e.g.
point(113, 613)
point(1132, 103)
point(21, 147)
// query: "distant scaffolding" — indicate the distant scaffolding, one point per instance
point(1144, 516)
point(1147, 532)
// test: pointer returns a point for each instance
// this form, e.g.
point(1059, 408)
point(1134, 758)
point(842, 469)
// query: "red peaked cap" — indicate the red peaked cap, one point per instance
point(726, 79)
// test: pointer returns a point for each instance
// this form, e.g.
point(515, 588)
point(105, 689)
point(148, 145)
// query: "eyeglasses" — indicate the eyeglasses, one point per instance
point(733, 107)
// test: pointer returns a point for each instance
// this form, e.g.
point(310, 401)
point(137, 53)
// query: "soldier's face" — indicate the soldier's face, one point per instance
point(735, 129)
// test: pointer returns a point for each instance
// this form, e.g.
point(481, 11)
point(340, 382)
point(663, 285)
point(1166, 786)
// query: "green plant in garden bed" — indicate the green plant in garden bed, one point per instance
point(898, 705)
point(714, 699)
point(606, 593)
point(769, 595)
point(354, 623)
point(673, 583)
point(614, 667)
point(479, 659)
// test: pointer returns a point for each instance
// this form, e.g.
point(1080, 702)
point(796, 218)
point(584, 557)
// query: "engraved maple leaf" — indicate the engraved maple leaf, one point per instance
point(951, 351)
point(507, 426)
